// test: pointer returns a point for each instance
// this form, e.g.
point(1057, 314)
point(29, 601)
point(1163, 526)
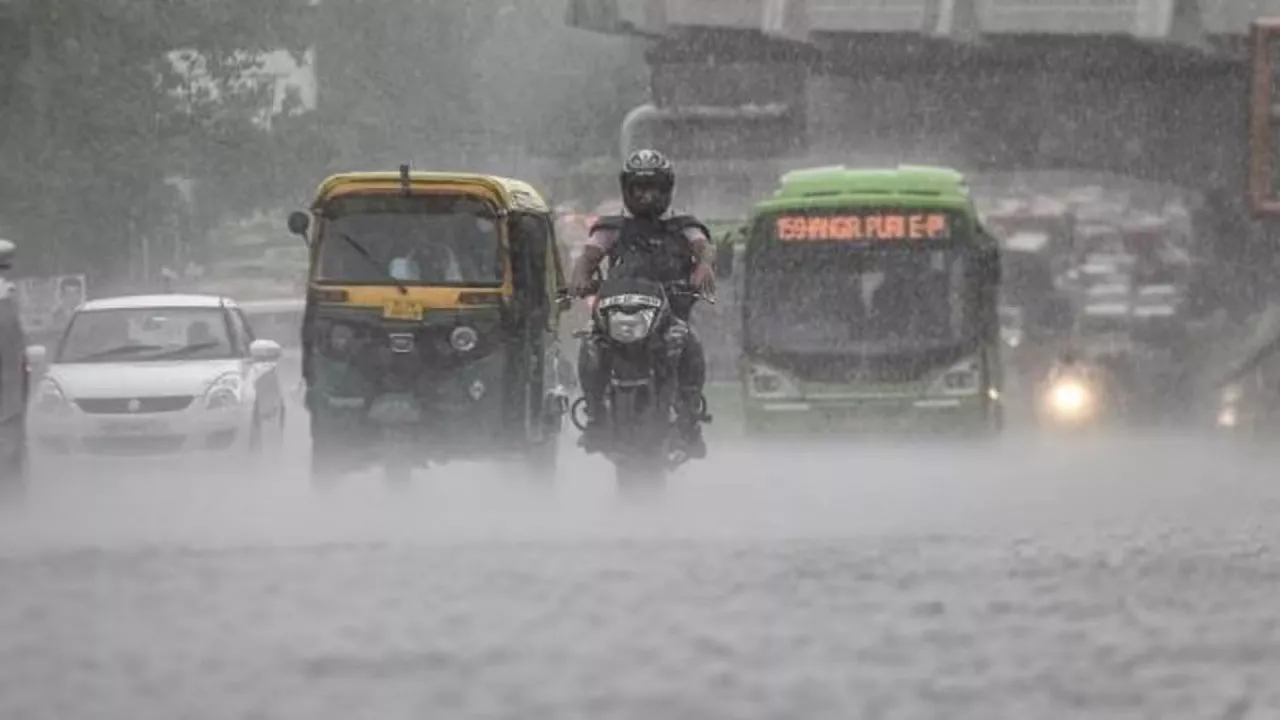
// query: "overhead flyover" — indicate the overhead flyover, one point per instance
point(1155, 90)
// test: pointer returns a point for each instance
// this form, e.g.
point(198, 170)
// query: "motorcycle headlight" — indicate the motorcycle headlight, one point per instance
point(226, 391)
point(630, 327)
point(1070, 398)
point(50, 398)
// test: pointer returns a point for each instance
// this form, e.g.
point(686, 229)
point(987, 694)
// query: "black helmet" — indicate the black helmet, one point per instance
point(648, 180)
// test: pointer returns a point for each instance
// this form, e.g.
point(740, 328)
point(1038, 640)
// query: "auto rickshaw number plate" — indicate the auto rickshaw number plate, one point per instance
point(400, 309)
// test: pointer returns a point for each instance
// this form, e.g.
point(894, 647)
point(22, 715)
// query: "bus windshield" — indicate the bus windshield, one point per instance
point(860, 299)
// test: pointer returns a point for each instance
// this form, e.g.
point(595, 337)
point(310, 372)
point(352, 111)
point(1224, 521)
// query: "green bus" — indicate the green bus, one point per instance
point(869, 305)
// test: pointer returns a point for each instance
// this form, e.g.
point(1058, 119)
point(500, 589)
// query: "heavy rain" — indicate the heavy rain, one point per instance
point(638, 358)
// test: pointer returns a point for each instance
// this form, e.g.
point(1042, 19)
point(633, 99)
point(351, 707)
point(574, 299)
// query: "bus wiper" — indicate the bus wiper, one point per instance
point(374, 263)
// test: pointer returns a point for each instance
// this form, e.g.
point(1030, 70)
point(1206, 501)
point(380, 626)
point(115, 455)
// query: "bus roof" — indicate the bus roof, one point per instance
point(516, 194)
point(839, 185)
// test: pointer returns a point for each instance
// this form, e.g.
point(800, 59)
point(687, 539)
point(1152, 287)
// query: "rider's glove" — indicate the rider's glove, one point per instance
point(704, 279)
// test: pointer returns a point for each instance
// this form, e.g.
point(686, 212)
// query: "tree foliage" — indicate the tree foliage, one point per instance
point(95, 119)
point(98, 119)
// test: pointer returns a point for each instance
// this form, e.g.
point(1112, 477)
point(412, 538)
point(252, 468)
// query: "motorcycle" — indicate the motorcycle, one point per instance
point(641, 435)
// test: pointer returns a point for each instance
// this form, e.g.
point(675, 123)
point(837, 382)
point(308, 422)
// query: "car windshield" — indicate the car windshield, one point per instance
point(146, 335)
point(387, 239)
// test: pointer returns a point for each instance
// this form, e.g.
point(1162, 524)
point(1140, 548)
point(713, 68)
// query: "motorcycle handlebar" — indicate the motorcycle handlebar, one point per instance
point(680, 289)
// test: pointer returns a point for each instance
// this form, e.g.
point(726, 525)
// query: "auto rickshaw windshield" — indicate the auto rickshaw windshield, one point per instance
point(421, 240)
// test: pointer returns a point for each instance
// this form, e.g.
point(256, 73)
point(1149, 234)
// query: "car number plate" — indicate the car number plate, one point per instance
point(399, 309)
point(130, 427)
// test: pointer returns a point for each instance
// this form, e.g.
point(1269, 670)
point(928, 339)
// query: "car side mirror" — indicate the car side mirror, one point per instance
point(37, 356)
point(7, 251)
point(264, 351)
point(299, 223)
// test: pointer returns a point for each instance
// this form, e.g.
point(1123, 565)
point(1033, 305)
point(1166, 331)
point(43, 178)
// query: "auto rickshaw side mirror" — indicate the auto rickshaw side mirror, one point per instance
point(724, 258)
point(299, 223)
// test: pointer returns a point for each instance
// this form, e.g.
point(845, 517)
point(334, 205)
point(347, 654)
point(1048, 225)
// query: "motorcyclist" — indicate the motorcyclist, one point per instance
point(650, 242)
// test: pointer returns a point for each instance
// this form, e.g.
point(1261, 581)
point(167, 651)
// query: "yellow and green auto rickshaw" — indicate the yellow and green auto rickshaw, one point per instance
point(430, 328)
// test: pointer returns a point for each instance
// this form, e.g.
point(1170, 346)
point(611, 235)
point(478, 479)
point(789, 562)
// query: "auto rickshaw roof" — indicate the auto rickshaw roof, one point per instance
point(514, 194)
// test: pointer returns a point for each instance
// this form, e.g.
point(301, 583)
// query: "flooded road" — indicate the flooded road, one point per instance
point(1029, 578)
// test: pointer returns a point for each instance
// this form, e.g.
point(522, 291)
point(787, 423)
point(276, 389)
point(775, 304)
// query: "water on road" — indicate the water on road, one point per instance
point(1029, 578)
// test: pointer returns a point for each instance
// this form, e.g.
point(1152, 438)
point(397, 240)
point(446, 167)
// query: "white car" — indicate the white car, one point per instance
point(157, 375)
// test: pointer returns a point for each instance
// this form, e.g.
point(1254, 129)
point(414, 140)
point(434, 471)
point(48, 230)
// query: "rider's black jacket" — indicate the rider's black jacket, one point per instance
point(658, 249)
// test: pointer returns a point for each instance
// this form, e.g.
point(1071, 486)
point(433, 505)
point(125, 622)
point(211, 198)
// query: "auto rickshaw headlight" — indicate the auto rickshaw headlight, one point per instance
point(341, 337)
point(464, 339)
point(629, 327)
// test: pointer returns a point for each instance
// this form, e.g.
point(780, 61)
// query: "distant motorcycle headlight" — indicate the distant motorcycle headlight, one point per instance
point(630, 327)
point(1070, 398)
point(464, 339)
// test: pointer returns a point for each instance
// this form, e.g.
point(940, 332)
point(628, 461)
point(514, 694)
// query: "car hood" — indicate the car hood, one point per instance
point(151, 379)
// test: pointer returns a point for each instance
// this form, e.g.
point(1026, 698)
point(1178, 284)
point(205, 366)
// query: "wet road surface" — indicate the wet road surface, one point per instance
point(1031, 578)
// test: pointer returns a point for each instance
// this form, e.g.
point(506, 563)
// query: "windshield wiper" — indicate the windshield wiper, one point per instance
point(185, 350)
point(364, 253)
point(119, 350)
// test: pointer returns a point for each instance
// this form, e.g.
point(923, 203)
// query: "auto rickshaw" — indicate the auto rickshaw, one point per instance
point(431, 320)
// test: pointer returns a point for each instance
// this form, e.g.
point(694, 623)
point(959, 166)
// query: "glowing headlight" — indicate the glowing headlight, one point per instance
point(1227, 417)
point(50, 398)
point(631, 327)
point(225, 392)
point(1069, 397)
point(464, 339)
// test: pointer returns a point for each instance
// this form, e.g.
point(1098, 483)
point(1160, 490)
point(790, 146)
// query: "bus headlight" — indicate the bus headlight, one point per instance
point(963, 378)
point(765, 382)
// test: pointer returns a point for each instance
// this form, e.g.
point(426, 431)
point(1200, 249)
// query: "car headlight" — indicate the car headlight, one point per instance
point(226, 391)
point(765, 382)
point(629, 327)
point(50, 398)
point(464, 339)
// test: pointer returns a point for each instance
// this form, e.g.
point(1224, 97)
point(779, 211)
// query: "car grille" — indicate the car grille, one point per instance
point(120, 406)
